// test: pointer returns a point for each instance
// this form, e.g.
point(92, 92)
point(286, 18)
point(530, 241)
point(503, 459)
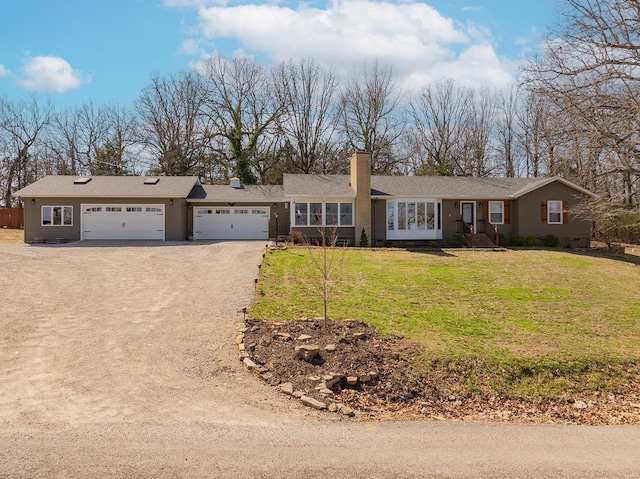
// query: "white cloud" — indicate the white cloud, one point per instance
point(413, 38)
point(4, 72)
point(50, 73)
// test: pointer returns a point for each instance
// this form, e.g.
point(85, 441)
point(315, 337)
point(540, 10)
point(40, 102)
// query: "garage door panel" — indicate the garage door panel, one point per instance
point(231, 223)
point(126, 221)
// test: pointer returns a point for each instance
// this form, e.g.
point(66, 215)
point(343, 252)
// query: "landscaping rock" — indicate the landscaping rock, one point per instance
point(249, 363)
point(304, 337)
point(347, 411)
point(580, 405)
point(308, 352)
point(352, 380)
point(287, 388)
point(311, 402)
point(330, 348)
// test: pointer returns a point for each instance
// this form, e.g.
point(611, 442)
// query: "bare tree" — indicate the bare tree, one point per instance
point(172, 126)
point(590, 73)
point(21, 126)
point(117, 156)
point(325, 258)
point(370, 116)
point(477, 134)
point(308, 95)
point(439, 117)
point(241, 106)
point(507, 131)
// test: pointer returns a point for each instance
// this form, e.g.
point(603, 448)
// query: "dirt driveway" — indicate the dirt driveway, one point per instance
point(119, 361)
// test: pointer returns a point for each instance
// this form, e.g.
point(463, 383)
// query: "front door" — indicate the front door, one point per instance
point(468, 213)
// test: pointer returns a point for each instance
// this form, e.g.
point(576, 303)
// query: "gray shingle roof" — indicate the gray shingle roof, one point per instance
point(260, 193)
point(62, 186)
point(445, 187)
point(318, 185)
point(449, 187)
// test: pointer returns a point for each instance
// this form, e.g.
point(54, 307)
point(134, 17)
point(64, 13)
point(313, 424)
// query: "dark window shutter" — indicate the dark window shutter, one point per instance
point(507, 212)
point(544, 212)
point(485, 211)
point(565, 212)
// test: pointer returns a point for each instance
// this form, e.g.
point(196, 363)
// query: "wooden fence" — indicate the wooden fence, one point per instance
point(11, 217)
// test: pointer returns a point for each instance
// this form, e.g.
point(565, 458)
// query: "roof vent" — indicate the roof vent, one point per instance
point(82, 180)
point(151, 181)
point(235, 183)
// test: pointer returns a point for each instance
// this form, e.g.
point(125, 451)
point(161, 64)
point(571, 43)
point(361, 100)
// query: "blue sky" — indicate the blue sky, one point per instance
point(106, 50)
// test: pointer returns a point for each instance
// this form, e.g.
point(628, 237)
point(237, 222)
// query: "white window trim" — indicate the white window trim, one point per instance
point(549, 202)
point(501, 222)
point(414, 234)
point(42, 223)
point(324, 213)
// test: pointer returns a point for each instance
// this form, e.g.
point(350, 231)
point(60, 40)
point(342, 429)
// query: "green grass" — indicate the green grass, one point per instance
point(515, 322)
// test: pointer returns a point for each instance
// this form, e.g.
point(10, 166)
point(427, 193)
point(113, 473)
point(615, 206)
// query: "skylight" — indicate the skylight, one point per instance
point(151, 181)
point(82, 180)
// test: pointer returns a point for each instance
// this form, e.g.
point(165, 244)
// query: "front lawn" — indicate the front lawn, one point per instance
point(519, 323)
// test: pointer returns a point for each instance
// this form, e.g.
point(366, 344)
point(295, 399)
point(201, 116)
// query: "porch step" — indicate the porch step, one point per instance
point(480, 240)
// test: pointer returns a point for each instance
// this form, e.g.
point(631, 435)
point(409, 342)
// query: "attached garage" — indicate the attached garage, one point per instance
point(230, 223)
point(123, 222)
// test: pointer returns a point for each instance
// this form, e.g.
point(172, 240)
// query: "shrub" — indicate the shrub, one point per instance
point(531, 241)
point(456, 240)
point(432, 244)
point(296, 237)
point(551, 241)
point(364, 240)
point(517, 240)
point(387, 244)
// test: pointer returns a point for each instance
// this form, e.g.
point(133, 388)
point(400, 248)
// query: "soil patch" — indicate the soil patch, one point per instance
point(388, 384)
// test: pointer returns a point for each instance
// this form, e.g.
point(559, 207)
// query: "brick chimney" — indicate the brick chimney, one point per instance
point(361, 183)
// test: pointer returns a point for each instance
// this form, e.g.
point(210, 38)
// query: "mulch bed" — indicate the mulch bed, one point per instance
point(394, 388)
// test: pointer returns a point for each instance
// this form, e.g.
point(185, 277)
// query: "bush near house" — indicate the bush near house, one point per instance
point(551, 241)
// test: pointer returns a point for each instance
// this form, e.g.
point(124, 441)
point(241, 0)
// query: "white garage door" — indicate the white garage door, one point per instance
point(231, 223)
point(126, 221)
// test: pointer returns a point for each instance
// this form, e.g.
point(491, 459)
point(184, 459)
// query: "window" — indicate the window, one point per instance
point(154, 210)
point(240, 212)
point(302, 214)
point(132, 209)
point(331, 214)
point(346, 214)
point(496, 212)
point(57, 216)
point(111, 209)
point(412, 215)
point(323, 214)
point(258, 212)
point(554, 212)
point(223, 212)
point(97, 209)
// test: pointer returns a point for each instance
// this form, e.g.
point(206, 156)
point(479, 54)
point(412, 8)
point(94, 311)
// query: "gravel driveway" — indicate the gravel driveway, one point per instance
point(119, 361)
point(99, 332)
